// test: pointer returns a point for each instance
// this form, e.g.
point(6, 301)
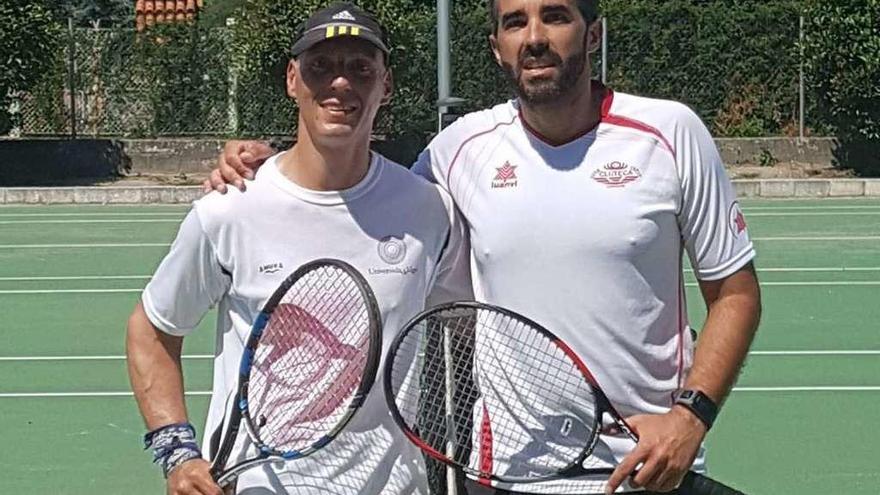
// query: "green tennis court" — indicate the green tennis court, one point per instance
point(802, 419)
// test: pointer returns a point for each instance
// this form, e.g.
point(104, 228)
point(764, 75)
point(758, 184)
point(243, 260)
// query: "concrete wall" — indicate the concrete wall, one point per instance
point(739, 151)
point(47, 161)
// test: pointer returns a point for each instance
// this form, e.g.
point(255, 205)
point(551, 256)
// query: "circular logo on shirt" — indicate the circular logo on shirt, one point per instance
point(392, 250)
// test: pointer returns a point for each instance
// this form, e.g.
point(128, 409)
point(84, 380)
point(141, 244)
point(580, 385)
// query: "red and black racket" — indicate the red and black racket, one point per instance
point(492, 393)
point(308, 365)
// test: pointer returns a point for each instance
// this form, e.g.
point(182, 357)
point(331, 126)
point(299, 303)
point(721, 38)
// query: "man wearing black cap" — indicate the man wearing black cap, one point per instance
point(328, 196)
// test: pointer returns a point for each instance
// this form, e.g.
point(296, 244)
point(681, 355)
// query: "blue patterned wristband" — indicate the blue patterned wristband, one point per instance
point(173, 445)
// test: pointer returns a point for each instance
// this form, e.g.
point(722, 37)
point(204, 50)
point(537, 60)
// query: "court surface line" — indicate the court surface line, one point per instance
point(828, 283)
point(857, 283)
point(209, 356)
point(688, 270)
point(831, 238)
point(84, 277)
point(68, 215)
point(28, 395)
point(89, 246)
point(135, 220)
point(813, 214)
point(802, 208)
point(134, 245)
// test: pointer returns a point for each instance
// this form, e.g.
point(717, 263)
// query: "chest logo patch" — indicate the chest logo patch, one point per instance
point(392, 250)
point(506, 176)
point(616, 174)
point(270, 268)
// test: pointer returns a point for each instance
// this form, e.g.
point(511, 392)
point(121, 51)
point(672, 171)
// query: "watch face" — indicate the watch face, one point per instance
point(686, 395)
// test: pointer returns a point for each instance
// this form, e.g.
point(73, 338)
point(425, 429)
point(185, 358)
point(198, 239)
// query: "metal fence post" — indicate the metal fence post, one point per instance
point(801, 89)
point(232, 101)
point(604, 50)
point(71, 75)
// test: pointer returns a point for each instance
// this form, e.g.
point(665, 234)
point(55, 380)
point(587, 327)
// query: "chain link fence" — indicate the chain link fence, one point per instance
point(185, 81)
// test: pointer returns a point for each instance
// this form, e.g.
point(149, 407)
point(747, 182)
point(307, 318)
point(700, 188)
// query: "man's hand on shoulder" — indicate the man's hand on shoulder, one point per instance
point(236, 163)
point(668, 445)
point(192, 478)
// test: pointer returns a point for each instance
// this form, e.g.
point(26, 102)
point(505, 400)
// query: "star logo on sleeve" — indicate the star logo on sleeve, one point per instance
point(737, 220)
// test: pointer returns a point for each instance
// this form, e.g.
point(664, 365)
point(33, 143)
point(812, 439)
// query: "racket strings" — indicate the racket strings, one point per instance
point(310, 361)
point(506, 378)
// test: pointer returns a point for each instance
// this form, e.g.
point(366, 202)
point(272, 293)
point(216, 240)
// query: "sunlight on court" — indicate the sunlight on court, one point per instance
point(69, 276)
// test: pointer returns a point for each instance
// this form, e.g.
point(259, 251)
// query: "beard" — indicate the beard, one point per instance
point(546, 90)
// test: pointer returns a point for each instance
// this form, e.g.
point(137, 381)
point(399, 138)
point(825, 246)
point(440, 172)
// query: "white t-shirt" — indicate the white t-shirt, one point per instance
point(586, 238)
point(234, 250)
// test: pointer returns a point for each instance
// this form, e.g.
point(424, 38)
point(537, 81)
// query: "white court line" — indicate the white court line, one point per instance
point(815, 214)
point(809, 284)
point(147, 277)
point(136, 220)
point(808, 389)
point(208, 356)
point(85, 277)
point(71, 291)
point(813, 269)
point(832, 238)
point(858, 283)
point(690, 284)
point(27, 395)
point(801, 208)
point(816, 353)
point(136, 245)
point(67, 215)
point(86, 358)
point(87, 246)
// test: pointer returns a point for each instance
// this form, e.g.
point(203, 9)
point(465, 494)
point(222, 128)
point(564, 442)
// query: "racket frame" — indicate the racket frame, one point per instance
point(241, 412)
point(575, 467)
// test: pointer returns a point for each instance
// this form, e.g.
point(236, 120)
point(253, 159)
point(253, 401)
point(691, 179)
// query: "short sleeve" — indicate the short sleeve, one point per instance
point(452, 280)
point(188, 282)
point(424, 165)
point(712, 223)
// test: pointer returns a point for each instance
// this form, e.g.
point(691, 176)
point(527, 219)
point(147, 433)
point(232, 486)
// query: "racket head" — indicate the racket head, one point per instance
point(308, 364)
point(474, 356)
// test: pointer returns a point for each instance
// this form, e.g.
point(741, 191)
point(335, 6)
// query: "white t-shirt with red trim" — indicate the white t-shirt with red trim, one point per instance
point(587, 239)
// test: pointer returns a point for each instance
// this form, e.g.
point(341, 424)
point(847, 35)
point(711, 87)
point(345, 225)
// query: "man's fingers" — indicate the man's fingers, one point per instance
point(216, 181)
point(648, 474)
point(625, 469)
point(231, 175)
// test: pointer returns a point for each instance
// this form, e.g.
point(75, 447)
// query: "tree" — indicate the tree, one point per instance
point(88, 13)
point(29, 38)
point(843, 65)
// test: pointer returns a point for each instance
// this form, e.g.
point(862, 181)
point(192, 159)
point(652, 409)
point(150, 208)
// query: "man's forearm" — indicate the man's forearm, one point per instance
point(734, 311)
point(155, 372)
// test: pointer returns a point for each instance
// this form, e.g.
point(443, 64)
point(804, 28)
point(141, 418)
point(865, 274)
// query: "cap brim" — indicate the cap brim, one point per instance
point(333, 31)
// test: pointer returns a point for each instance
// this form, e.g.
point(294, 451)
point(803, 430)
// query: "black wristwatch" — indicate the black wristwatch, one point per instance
point(698, 403)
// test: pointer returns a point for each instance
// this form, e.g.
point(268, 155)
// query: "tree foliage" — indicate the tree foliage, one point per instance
point(29, 35)
point(843, 59)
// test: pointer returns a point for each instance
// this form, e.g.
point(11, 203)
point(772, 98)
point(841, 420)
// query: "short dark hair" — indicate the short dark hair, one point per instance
point(589, 11)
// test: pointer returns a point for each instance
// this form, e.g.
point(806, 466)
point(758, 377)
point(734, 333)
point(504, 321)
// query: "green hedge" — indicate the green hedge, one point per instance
point(735, 62)
point(843, 56)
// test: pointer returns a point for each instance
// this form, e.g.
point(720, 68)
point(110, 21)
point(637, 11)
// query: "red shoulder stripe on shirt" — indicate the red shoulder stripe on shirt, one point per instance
point(610, 118)
point(622, 121)
point(469, 139)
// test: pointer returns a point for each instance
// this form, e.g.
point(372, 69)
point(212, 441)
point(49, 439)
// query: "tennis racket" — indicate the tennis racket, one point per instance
point(309, 362)
point(496, 395)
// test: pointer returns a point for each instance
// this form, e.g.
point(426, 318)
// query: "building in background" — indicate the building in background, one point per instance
point(150, 12)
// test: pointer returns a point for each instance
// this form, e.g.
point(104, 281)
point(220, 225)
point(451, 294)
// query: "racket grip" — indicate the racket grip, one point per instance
point(697, 484)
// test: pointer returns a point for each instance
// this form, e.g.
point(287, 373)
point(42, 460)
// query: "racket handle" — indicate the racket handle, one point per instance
point(697, 484)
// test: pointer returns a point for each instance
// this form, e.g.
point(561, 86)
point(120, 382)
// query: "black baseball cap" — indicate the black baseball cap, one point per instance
point(339, 19)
